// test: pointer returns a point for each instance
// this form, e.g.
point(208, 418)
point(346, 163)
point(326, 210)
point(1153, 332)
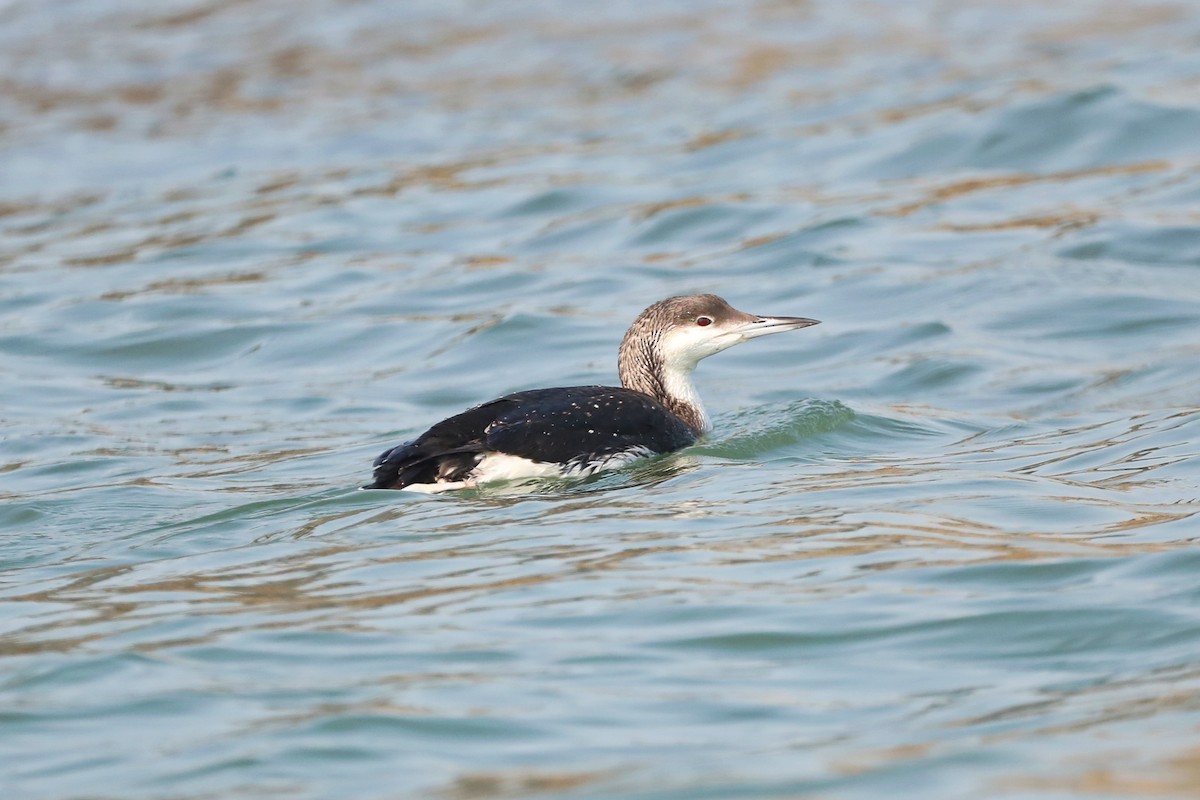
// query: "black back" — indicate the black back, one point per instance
point(570, 425)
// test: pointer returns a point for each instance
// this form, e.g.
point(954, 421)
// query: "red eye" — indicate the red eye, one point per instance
point(702, 321)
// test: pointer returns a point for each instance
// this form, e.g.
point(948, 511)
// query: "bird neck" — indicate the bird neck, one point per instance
point(671, 385)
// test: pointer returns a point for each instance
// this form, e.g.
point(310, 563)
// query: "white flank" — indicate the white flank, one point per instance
point(435, 488)
point(581, 468)
point(503, 467)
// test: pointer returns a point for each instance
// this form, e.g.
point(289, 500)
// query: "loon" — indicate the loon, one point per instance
point(580, 430)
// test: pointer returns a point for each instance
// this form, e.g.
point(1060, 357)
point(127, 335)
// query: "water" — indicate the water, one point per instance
point(941, 545)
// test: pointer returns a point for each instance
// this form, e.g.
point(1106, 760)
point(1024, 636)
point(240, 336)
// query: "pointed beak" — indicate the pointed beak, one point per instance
point(761, 326)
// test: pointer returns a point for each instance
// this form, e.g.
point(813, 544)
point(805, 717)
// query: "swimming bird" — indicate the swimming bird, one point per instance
point(580, 430)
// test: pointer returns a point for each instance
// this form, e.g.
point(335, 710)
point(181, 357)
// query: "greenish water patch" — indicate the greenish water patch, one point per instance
point(754, 435)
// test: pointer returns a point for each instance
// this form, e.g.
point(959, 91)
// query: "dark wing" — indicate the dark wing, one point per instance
point(448, 450)
point(563, 425)
point(577, 424)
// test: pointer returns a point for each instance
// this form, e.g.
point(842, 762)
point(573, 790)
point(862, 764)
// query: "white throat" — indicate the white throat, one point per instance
point(677, 382)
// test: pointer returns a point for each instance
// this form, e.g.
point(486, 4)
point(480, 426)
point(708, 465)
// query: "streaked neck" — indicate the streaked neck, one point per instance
point(672, 386)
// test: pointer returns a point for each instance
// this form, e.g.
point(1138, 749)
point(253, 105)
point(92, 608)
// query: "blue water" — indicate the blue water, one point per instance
point(942, 545)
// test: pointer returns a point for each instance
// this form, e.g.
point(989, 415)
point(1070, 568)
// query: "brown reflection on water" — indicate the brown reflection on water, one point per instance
point(307, 582)
point(1049, 454)
point(190, 285)
point(268, 67)
point(1090, 709)
point(959, 188)
point(1173, 775)
point(517, 784)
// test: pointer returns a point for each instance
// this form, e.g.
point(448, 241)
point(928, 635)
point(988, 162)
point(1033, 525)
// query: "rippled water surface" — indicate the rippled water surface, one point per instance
point(942, 545)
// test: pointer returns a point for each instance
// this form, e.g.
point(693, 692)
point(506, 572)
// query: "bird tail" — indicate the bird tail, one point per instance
point(411, 463)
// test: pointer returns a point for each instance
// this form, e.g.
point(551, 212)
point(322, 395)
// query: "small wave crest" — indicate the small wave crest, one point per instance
point(762, 430)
